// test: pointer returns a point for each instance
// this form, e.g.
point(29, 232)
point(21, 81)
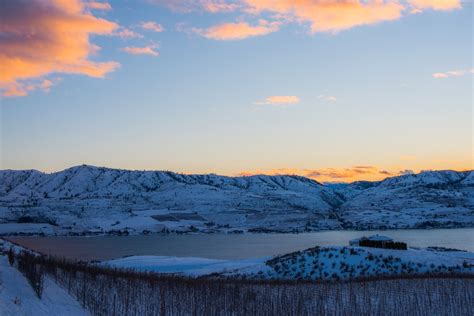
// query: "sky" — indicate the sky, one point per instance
point(335, 90)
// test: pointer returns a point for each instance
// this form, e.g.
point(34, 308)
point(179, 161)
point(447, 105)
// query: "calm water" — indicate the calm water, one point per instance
point(220, 246)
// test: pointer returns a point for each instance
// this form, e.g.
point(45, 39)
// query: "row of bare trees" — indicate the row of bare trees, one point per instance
point(107, 291)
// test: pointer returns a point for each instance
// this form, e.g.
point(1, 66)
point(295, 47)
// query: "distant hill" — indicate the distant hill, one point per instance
point(88, 199)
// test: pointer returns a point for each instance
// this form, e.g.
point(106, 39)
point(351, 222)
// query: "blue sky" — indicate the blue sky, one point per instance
point(365, 96)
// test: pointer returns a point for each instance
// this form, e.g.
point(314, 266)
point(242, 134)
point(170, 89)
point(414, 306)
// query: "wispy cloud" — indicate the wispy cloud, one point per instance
point(145, 50)
point(453, 73)
point(279, 100)
point(94, 5)
point(59, 44)
point(238, 31)
point(213, 6)
point(435, 4)
point(327, 98)
point(326, 16)
point(126, 33)
point(152, 26)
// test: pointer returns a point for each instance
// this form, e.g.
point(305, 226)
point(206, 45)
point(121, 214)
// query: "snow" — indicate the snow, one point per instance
point(187, 265)
point(18, 298)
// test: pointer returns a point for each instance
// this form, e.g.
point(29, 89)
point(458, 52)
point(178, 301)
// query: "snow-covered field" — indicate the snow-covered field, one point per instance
point(319, 263)
point(91, 200)
point(187, 265)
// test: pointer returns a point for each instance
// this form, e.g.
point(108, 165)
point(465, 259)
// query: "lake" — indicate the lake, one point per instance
point(223, 246)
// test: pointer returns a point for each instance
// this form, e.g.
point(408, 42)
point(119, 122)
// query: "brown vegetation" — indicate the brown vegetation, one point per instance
point(106, 291)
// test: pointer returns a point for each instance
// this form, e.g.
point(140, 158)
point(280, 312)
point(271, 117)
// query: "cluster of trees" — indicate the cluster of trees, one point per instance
point(383, 244)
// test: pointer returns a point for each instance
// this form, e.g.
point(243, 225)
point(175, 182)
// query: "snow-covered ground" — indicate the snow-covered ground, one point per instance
point(319, 263)
point(18, 298)
point(187, 265)
point(92, 200)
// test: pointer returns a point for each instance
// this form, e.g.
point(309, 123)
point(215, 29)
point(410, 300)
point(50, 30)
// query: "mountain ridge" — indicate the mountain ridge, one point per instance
point(103, 200)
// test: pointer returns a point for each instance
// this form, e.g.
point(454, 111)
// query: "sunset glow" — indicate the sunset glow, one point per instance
point(336, 91)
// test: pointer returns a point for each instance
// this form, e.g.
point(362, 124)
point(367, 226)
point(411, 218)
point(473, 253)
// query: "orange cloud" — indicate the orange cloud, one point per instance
point(330, 174)
point(435, 4)
point(279, 100)
point(39, 38)
point(322, 15)
point(152, 26)
point(330, 15)
point(453, 73)
point(238, 31)
point(147, 50)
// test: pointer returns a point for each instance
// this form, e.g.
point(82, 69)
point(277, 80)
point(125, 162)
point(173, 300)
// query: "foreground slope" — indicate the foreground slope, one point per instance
point(18, 298)
point(87, 199)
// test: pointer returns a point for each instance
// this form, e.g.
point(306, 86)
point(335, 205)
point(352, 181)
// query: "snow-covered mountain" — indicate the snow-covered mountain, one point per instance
point(424, 200)
point(101, 200)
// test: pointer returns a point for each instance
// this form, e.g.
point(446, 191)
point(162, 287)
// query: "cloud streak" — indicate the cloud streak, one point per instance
point(152, 26)
point(279, 100)
point(439, 5)
point(322, 16)
point(453, 73)
point(40, 38)
point(146, 50)
point(238, 31)
point(327, 98)
point(94, 5)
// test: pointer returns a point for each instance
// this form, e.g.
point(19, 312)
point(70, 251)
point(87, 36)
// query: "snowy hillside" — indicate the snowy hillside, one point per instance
point(87, 199)
point(356, 262)
point(425, 200)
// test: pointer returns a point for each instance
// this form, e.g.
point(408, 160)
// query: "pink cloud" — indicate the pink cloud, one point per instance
point(238, 31)
point(327, 16)
point(152, 26)
point(146, 50)
point(212, 6)
point(126, 33)
point(58, 44)
point(94, 5)
point(452, 73)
